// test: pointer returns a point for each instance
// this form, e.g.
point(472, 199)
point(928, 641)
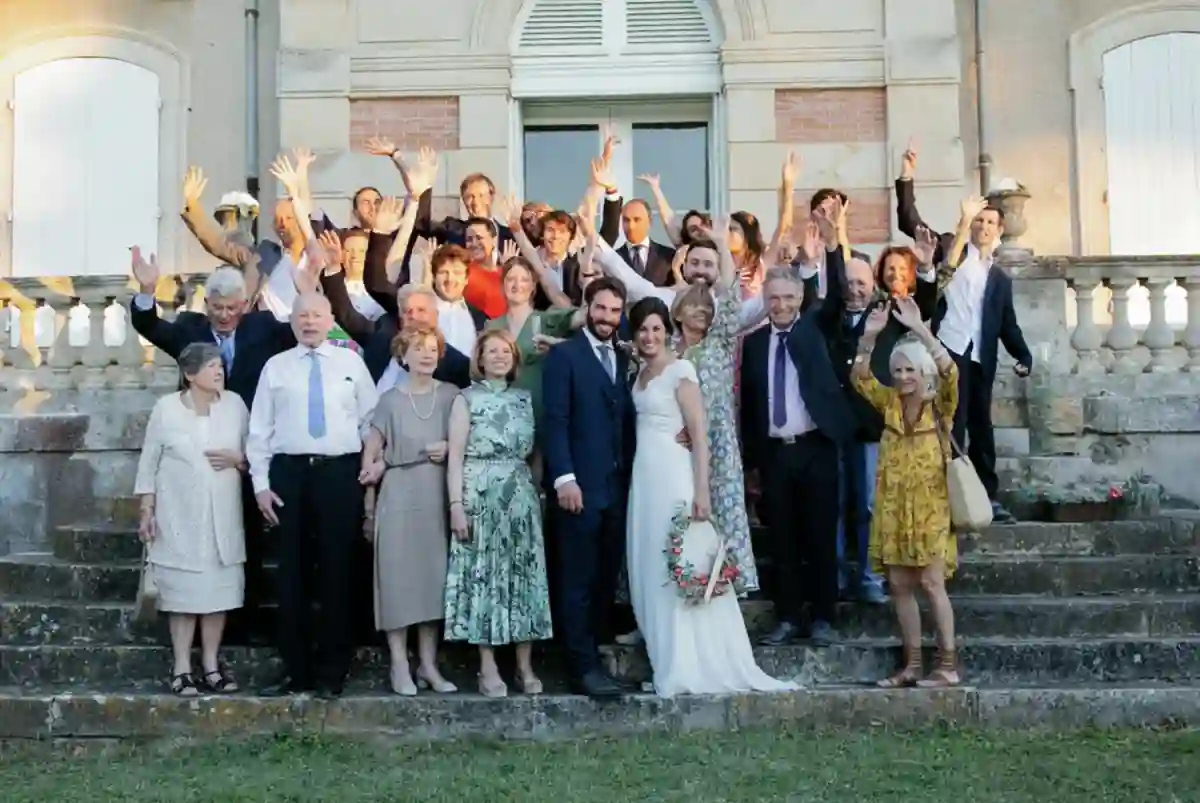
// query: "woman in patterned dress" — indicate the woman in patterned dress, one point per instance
point(708, 338)
point(910, 528)
point(496, 586)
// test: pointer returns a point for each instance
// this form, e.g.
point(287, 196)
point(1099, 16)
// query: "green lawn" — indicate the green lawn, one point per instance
point(800, 766)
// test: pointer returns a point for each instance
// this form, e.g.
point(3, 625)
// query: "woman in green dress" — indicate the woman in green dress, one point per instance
point(496, 584)
point(534, 331)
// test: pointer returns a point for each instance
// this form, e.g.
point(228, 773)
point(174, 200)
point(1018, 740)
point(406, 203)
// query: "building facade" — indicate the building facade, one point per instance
point(108, 103)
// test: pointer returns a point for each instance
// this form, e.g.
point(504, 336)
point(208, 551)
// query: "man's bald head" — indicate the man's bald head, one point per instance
point(287, 228)
point(312, 318)
point(860, 284)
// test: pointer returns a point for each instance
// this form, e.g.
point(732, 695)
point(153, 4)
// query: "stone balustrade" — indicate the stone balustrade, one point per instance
point(75, 333)
point(1105, 338)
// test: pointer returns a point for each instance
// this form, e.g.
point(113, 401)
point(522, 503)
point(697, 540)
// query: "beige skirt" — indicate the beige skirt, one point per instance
point(210, 591)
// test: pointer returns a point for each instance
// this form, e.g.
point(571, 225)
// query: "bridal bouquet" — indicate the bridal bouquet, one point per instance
point(718, 571)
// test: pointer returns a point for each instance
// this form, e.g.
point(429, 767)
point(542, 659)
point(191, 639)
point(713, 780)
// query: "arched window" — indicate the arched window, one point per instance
point(85, 166)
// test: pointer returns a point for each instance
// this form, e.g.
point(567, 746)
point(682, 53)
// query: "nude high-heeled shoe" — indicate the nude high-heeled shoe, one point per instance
point(439, 685)
point(402, 684)
point(496, 691)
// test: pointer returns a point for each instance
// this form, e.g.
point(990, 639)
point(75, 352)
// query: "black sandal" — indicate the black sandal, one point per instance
point(184, 685)
point(224, 683)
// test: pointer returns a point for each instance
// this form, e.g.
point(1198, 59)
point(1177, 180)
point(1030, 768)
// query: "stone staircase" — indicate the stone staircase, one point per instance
point(1058, 623)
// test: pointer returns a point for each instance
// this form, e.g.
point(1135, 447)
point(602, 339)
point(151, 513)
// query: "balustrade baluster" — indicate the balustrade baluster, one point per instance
point(1191, 335)
point(1159, 337)
point(1122, 337)
point(1087, 337)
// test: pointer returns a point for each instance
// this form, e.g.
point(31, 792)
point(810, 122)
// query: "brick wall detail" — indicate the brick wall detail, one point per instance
point(831, 115)
point(412, 123)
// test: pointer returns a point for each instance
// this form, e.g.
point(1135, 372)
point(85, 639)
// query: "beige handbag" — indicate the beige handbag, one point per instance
point(146, 608)
point(970, 507)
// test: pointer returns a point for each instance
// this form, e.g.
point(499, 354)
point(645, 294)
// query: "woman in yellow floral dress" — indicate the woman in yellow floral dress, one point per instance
point(911, 537)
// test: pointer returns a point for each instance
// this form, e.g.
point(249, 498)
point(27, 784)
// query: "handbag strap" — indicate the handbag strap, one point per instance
point(956, 451)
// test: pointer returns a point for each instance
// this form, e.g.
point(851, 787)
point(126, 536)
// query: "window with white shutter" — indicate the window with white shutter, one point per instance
point(85, 166)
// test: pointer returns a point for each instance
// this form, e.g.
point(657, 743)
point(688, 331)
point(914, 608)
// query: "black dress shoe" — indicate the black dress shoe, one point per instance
point(784, 633)
point(285, 686)
point(597, 685)
point(623, 684)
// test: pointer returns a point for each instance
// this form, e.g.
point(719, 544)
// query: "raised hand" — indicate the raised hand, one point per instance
point(651, 180)
point(286, 174)
point(194, 183)
point(785, 254)
point(145, 273)
point(510, 209)
point(841, 219)
point(908, 162)
point(680, 259)
point(925, 245)
point(791, 169)
point(333, 248)
point(508, 251)
point(422, 175)
point(610, 140)
point(387, 217)
point(971, 207)
point(718, 232)
point(908, 313)
point(380, 146)
point(876, 320)
point(826, 224)
point(813, 244)
point(304, 157)
point(602, 175)
point(308, 279)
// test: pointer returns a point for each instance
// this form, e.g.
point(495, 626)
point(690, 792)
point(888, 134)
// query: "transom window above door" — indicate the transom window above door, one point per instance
point(670, 139)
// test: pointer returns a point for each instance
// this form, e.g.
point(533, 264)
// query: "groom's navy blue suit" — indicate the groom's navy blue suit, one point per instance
point(588, 432)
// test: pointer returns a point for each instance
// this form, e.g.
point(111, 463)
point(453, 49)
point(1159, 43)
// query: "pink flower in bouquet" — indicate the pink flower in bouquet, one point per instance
point(676, 551)
point(702, 579)
point(729, 573)
point(1115, 493)
point(678, 571)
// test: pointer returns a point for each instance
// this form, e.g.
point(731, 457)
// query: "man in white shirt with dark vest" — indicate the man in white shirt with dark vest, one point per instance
point(312, 406)
point(976, 314)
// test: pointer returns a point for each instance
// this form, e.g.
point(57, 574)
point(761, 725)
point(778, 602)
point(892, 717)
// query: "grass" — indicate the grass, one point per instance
point(939, 766)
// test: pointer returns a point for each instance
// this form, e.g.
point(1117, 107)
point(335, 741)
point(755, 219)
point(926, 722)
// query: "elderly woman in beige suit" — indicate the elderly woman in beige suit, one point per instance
point(188, 480)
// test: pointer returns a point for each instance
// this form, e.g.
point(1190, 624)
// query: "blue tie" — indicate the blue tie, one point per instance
point(225, 343)
point(779, 402)
point(316, 398)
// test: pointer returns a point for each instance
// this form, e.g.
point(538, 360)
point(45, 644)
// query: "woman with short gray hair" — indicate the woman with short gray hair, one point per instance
point(189, 481)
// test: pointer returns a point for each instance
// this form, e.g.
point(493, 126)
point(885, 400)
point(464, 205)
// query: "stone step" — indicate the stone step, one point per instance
point(121, 715)
point(43, 577)
point(987, 662)
point(1167, 616)
point(114, 543)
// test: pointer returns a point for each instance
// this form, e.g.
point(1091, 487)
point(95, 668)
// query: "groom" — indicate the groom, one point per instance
point(588, 422)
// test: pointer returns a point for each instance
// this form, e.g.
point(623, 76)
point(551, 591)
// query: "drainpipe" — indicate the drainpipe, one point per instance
point(251, 13)
point(985, 159)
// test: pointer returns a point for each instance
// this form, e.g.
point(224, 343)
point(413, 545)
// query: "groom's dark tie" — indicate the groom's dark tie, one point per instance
point(779, 403)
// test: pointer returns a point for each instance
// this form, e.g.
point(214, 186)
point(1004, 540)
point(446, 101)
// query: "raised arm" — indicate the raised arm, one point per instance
point(357, 325)
point(876, 393)
point(419, 179)
point(638, 287)
point(167, 336)
point(969, 210)
point(665, 213)
point(603, 184)
point(787, 206)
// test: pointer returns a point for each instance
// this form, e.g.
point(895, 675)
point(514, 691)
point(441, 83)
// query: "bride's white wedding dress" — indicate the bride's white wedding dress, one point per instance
point(694, 648)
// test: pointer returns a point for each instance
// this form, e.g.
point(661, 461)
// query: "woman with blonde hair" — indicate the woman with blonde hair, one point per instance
point(496, 587)
point(190, 484)
point(405, 451)
point(911, 538)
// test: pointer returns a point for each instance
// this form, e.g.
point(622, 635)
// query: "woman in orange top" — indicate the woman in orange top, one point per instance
point(484, 289)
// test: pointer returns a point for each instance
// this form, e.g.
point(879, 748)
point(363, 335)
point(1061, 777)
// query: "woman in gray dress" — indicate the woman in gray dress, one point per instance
point(405, 452)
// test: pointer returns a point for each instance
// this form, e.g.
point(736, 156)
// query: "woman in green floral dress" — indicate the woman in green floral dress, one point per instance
point(496, 586)
point(708, 326)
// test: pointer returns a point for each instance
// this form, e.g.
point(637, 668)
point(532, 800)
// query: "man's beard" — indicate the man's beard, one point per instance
point(591, 327)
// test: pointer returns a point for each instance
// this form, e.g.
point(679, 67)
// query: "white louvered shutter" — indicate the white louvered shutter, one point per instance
point(656, 22)
point(563, 24)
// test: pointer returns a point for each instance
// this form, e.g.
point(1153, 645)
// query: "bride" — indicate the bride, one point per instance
point(695, 647)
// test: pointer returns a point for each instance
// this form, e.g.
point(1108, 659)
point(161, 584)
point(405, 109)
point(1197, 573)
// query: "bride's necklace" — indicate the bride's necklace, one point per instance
point(416, 411)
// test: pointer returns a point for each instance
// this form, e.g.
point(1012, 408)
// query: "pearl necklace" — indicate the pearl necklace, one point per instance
point(413, 402)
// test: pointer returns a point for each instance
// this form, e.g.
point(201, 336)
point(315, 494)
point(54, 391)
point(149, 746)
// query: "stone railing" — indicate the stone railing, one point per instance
point(1111, 343)
point(75, 333)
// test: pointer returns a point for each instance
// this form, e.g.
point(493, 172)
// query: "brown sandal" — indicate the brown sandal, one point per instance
point(945, 672)
point(909, 675)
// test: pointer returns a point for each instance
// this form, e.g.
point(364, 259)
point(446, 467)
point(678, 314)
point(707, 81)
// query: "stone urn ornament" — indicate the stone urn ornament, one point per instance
point(1010, 196)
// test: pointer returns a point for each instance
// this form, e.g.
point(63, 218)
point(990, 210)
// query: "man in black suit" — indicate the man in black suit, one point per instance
point(418, 307)
point(794, 418)
point(247, 339)
point(650, 259)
